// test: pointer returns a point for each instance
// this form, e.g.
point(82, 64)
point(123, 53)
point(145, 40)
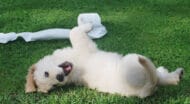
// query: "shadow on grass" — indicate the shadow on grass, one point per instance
point(65, 88)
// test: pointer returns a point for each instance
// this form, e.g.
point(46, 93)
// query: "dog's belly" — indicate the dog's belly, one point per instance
point(134, 72)
point(102, 72)
point(108, 72)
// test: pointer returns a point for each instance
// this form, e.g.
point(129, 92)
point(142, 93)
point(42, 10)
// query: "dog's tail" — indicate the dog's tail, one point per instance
point(150, 68)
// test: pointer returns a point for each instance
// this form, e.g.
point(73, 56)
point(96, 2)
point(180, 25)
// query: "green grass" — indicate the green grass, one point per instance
point(158, 29)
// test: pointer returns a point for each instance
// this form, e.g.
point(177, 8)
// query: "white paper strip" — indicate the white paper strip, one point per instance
point(98, 31)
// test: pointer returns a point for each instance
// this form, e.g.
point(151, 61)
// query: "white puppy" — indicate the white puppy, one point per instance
point(84, 64)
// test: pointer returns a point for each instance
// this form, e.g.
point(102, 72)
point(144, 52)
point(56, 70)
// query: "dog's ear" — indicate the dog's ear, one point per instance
point(30, 82)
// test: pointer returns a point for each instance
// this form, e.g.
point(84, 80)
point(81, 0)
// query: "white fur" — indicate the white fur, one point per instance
point(129, 75)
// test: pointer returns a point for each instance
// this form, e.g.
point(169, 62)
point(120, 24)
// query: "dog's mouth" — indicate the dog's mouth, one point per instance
point(67, 67)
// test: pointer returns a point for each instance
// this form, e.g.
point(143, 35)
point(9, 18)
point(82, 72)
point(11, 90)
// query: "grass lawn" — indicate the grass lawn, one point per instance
point(158, 29)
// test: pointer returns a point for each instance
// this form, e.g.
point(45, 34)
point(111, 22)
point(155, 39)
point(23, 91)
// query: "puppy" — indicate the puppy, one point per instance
point(84, 64)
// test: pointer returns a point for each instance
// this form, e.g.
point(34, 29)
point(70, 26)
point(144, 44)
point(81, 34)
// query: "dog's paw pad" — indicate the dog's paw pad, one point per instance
point(180, 72)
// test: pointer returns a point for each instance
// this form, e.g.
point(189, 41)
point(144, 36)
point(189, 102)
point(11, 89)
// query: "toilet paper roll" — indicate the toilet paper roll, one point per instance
point(98, 30)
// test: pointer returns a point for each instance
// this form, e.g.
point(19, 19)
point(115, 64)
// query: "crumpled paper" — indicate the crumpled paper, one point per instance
point(98, 31)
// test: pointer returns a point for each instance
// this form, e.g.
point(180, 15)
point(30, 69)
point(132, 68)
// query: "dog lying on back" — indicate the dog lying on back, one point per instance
point(84, 64)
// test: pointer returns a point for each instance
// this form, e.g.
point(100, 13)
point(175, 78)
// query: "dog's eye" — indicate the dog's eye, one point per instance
point(46, 74)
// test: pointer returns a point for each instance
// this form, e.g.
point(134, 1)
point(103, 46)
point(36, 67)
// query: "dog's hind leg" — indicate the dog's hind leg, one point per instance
point(80, 40)
point(169, 78)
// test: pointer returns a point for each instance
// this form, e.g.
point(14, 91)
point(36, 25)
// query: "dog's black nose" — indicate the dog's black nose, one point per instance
point(60, 77)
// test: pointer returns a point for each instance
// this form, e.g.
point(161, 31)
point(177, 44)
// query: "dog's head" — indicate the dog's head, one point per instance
point(47, 73)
